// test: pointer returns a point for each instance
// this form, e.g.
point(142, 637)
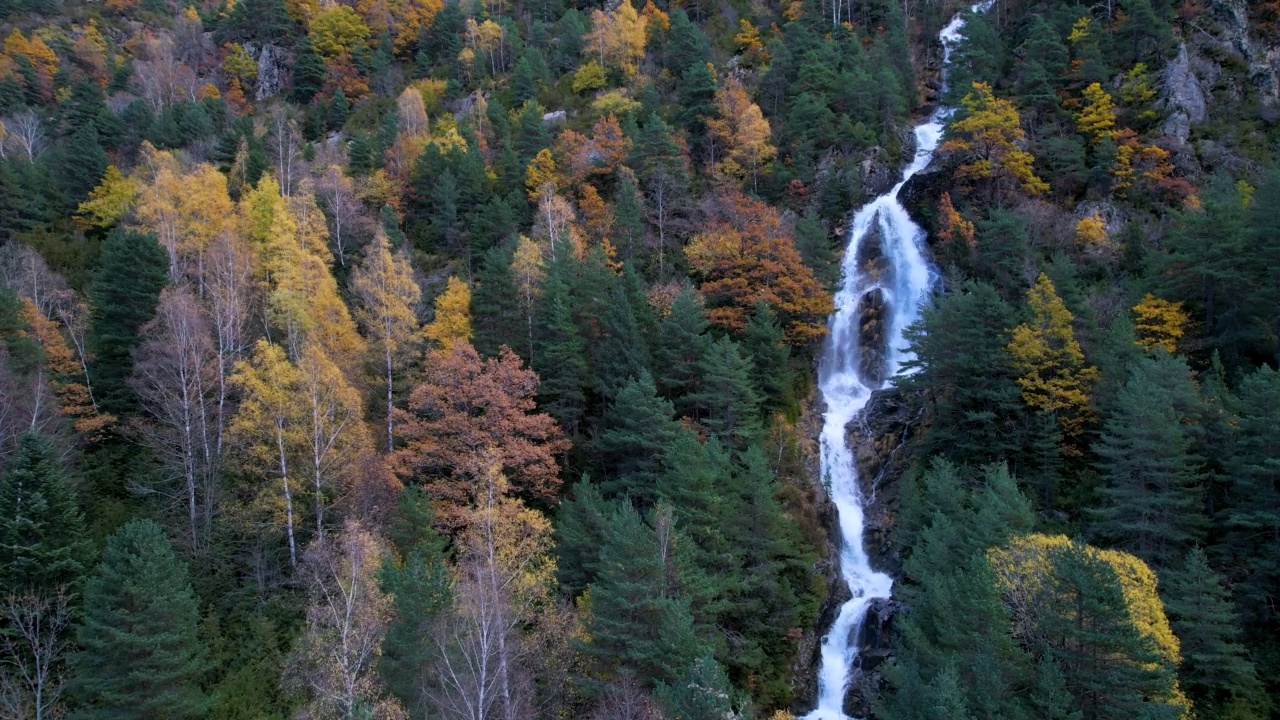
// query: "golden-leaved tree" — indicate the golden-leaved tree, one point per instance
point(386, 300)
point(741, 129)
point(617, 38)
point(989, 137)
point(1159, 323)
point(452, 323)
point(1048, 359)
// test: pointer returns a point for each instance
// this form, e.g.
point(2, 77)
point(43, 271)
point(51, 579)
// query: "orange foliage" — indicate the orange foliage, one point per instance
point(600, 154)
point(952, 225)
point(597, 218)
point(745, 255)
point(344, 74)
point(65, 373)
point(467, 409)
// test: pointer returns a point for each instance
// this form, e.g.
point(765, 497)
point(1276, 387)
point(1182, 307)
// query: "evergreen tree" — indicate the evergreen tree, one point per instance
point(133, 269)
point(496, 316)
point(339, 110)
point(1216, 670)
point(961, 371)
point(639, 627)
point(637, 430)
point(82, 165)
point(42, 541)
point(705, 692)
point(308, 72)
point(141, 651)
point(682, 342)
point(1250, 520)
point(628, 217)
point(620, 355)
point(560, 356)
point(1153, 496)
point(581, 529)
point(766, 345)
point(418, 578)
point(728, 403)
point(1111, 669)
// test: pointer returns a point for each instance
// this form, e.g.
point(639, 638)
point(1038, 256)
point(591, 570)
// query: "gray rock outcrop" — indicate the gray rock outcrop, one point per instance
point(1182, 97)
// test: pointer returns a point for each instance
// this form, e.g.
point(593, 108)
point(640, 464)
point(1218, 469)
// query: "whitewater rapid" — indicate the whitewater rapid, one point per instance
point(886, 287)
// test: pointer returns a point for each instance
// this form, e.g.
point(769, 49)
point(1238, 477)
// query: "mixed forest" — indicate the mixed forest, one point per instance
point(455, 358)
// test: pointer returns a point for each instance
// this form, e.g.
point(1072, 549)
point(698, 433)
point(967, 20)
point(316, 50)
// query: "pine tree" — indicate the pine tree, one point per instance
point(42, 542)
point(621, 354)
point(637, 431)
point(560, 355)
point(703, 692)
point(639, 628)
point(495, 306)
point(123, 296)
point(1154, 498)
point(142, 654)
point(766, 345)
point(1216, 670)
point(729, 405)
point(682, 341)
point(581, 530)
point(308, 72)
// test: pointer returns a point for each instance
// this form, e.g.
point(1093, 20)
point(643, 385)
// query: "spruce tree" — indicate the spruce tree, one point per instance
point(42, 542)
point(123, 297)
point(637, 431)
point(1216, 671)
point(141, 651)
point(495, 312)
point(639, 627)
point(620, 355)
point(703, 692)
point(1154, 504)
point(728, 404)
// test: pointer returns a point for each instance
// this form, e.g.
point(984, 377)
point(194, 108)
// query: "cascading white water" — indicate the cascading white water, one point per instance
point(880, 295)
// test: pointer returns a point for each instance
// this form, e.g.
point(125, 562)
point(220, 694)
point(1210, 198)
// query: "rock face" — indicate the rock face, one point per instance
point(1182, 97)
point(878, 438)
point(272, 69)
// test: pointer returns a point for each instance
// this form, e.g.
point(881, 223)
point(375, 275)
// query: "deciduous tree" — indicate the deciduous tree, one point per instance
point(465, 404)
point(387, 296)
point(744, 255)
point(989, 137)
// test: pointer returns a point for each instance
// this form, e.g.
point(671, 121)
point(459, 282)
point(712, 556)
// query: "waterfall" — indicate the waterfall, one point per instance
point(886, 277)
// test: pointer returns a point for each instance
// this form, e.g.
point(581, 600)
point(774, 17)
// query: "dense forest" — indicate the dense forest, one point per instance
point(455, 359)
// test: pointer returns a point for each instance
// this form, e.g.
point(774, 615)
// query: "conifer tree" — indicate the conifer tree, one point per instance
point(123, 296)
point(581, 529)
point(766, 345)
point(637, 432)
point(1216, 670)
point(142, 654)
point(682, 341)
point(42, 543)
point(560, 356)
point(1153, 496)
point(728, 403)
point(621, 354)
point(639, 627)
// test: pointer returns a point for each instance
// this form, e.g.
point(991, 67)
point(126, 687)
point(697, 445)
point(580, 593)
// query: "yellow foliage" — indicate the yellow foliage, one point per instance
point(1137, 93)
point(990, 135)
point(338, 30)
point(1097, 118)
point(590, 76)
point(1080, 30)
point(1246, 192)
point(1045, 353)
point(617, 38)
point(541, 170)
point(43, 59)
point(742, 129)
point(614, 102)
point(1023, 567)
point(108, 202)
point(452, 324)
point(237, 64)
point(1159, 323)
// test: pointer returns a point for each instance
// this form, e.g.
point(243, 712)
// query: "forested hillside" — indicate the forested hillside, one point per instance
point(422, 359)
